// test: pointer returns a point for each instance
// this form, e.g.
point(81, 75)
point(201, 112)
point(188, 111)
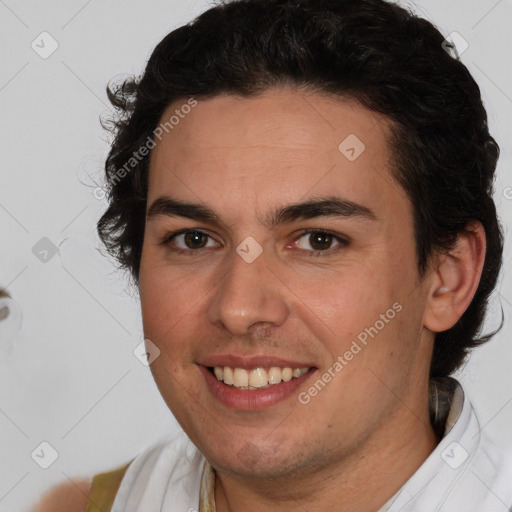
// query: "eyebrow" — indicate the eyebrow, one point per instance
point(316, 207)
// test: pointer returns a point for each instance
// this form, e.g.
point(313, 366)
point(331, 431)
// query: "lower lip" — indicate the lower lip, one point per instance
point(255, 399)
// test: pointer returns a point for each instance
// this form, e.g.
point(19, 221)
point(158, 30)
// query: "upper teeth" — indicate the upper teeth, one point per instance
point(256, 378)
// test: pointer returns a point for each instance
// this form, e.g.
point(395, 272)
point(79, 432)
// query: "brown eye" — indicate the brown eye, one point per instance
point(195, 239)
point(321, 242)
point(189, 241)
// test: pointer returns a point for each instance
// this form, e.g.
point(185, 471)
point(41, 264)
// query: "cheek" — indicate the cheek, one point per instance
point(164, 308)
point(168, 310)
point(354, 294)
point(173, 315)
point(335, 307)
point(164, 300)
point(368, 302)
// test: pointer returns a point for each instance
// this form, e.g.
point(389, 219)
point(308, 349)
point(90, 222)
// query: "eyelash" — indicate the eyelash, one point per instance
point(315, 253)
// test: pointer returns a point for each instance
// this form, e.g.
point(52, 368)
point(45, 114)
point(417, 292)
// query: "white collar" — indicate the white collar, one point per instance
point(431, 484)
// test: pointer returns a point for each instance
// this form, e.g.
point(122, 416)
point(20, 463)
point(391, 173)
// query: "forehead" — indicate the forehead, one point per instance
point(281, 145)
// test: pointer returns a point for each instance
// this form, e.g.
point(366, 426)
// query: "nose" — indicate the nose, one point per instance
point(250, 297)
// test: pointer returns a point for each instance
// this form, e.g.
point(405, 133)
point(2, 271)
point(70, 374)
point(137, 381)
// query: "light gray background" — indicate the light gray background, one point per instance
point(69, 377)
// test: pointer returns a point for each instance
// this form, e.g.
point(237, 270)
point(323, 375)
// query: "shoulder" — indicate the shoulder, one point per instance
point(495, 461)
point(66, 497)
point(486, 482)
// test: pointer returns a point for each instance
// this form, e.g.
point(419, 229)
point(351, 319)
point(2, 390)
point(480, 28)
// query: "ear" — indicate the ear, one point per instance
point(456, 279)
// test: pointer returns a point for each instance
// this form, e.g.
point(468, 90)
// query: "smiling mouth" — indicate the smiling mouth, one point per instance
point(256, 378)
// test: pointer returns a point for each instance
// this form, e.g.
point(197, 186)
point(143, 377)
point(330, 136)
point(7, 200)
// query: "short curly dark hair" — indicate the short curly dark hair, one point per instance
point(378, 53)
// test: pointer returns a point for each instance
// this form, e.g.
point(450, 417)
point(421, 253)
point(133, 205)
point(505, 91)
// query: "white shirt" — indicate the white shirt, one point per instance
point(465, 473)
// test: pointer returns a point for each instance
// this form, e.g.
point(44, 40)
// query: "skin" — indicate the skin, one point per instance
point(364, 434)
point(65, 497)
point(242, 157)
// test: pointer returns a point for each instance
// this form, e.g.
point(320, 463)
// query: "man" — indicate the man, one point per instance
point(302, 192)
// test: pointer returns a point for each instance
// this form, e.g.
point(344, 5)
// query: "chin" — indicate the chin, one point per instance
point(255, 461)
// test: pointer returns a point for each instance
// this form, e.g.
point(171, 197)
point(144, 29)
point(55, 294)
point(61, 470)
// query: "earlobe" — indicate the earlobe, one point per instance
point(456, 279)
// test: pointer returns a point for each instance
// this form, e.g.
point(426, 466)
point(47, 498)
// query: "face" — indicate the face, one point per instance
point(256, 285)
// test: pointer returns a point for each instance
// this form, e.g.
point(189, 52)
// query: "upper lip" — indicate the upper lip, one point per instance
point(249, 362)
